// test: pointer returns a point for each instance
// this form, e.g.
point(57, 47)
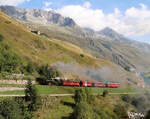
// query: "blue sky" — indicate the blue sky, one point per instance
point(106, 5)
point(128, 17)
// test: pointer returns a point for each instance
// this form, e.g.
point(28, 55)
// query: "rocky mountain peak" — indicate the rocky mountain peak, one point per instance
point(37, 16)
point(109, 33)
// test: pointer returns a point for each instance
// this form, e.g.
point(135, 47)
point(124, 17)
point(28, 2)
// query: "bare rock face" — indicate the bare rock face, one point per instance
point(108, 32)
point(37, 16)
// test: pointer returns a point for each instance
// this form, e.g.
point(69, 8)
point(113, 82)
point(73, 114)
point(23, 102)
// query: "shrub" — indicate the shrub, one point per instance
point(83, 111)
point(47, 73)
point(24, 109)
point(140, 103)
point(105, 93)
point(80, 96)
point(82, 55)
point(9, 109)
point(1, 38)
point(31, 96)
point(126, 98)
point(7, 22)
point(121, 112)
point(85, 95)
point(9, 61)
point(30, 67)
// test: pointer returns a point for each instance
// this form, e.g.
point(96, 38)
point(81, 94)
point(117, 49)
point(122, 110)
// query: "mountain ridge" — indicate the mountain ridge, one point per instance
point(109, 45)
point(41, 50)
point(37, 15)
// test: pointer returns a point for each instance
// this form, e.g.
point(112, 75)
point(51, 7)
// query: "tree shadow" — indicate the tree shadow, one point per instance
point(70, 117)
point(69, 104)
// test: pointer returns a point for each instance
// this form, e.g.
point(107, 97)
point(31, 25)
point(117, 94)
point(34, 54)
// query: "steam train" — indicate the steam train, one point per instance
point(91, 84)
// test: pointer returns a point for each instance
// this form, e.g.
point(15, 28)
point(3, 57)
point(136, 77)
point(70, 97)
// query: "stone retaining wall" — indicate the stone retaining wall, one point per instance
point(15, 82)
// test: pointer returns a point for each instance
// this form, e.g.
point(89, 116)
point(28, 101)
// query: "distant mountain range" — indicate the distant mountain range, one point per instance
point(106, 44)
point(108, 32)
point(37, 16)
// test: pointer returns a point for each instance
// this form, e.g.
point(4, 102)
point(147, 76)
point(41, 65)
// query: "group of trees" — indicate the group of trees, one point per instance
point(86, 108)
point(9, 61)
point(21, 108)
point(83, 99)
point(141, 103)
point(47, 73)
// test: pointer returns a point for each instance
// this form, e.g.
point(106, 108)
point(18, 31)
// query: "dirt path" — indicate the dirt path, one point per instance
point(60, 95)
point(52, 95)
point(2, 89)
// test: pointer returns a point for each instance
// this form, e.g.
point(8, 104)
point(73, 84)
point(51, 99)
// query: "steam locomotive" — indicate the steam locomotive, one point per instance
point(91, 84)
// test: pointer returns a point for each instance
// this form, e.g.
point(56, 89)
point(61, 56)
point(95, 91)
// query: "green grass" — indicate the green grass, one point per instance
point(12, 85)
point(43, 89)
point(42, 50)
point(16, 92)
point(55, 108)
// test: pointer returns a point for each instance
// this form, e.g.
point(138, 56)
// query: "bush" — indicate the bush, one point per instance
point(47, 73)
point(24, 108)
point(9, 61)
point(140, 103)
point(41, 80)
point(1, 38)
point(126, 98)
point(30, 67)
point(85, 95)
point(9, 109)
point(83, 111)
point(7, 22)
point(31, 97)
point(121, 112)
point(82, 55)
point(105, 93)
point(80, 96)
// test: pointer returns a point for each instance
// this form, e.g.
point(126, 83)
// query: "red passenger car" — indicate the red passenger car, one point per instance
point(113, 85)
point(87, 84)
point(99, 84)
point(71, 83)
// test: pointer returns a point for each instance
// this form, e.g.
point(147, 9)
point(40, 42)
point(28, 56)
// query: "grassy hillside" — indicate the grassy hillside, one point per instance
point(121, 53)
point(41, 50)
point(62, 107)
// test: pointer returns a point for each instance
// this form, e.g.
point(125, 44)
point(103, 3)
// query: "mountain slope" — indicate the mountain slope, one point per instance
point(68, 57)
point(41, 50)
point(106, 44)
point(110, 33)
point(118, 51)
point(37, 15)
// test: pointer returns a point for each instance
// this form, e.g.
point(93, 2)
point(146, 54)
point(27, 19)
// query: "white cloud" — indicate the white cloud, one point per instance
point(47, 3)
point(87, 4)
point(12, 2)
point(132, 22)
point(48, 9)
